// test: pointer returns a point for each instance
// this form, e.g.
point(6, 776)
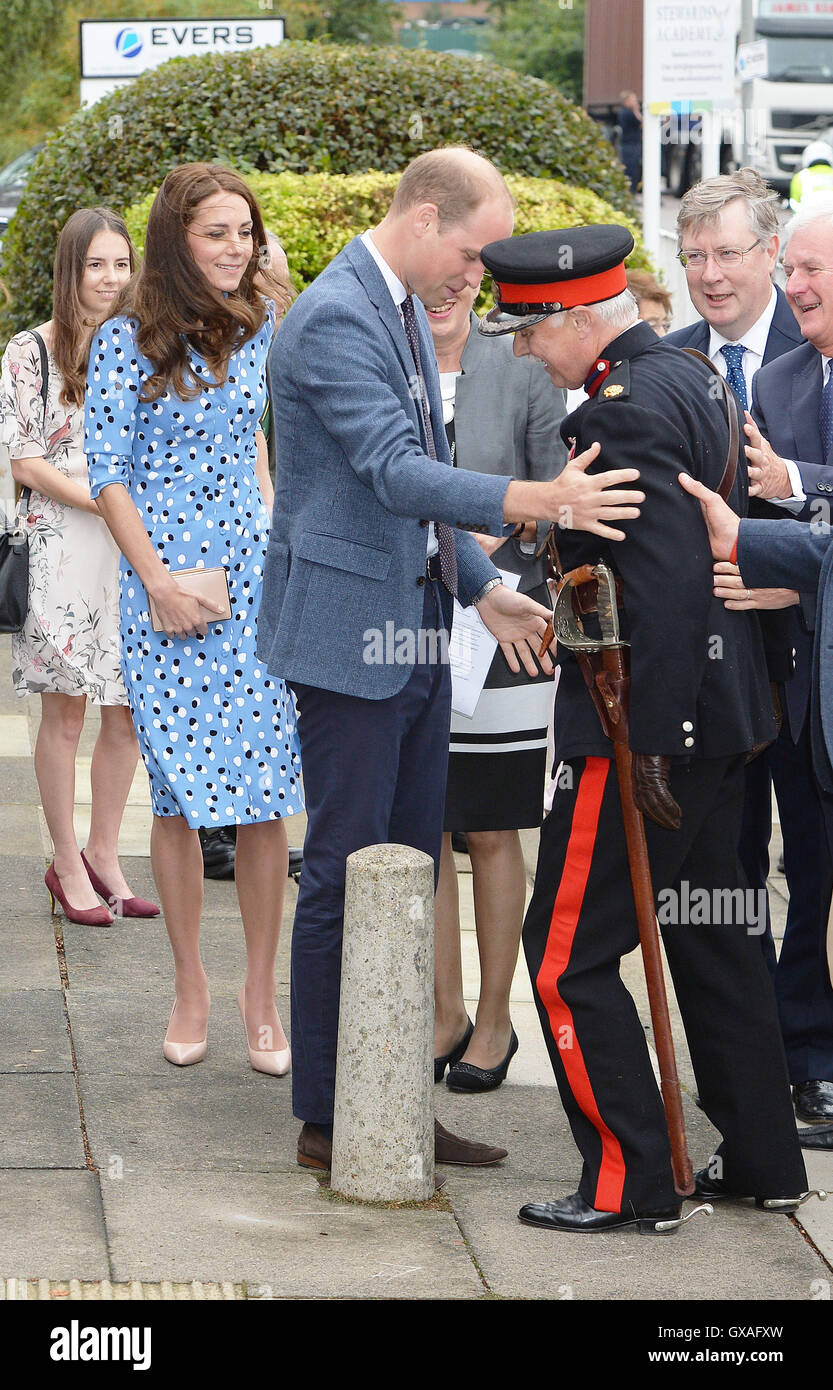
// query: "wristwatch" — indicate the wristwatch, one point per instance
point(487, 589)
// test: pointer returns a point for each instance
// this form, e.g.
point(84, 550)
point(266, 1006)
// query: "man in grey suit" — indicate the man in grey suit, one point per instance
point(728, 233)
point(364, 536)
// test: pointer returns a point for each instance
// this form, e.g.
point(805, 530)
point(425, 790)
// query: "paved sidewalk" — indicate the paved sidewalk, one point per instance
point(137, 1179)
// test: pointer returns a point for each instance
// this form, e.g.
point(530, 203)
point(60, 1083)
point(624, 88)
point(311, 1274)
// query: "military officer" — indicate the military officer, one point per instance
point(699, 702)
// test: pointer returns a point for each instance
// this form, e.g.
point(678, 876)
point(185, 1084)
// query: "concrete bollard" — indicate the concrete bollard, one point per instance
point(383, 1129)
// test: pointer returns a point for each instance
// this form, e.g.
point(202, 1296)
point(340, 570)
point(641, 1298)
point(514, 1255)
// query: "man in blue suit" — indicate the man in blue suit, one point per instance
point(364, 543)
point(747, 327)
point(799, 413)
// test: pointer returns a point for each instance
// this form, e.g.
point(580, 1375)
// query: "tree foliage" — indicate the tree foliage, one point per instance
point(544, 38)
point(301, 107)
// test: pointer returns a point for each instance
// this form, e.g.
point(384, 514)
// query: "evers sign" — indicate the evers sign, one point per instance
point(125, 48)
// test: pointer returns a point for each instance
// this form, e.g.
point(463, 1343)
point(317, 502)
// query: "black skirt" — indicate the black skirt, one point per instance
point(497, 758)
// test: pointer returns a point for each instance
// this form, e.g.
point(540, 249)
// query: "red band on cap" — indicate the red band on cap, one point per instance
point(567, 293)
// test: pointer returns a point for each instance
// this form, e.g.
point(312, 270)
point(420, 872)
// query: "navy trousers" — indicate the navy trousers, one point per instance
point(374, 773)
point(801, 975)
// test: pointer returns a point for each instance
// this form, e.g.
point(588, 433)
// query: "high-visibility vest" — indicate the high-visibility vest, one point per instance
point(810, 183)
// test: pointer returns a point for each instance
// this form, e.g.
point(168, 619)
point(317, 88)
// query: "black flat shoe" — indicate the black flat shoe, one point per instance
point(440, 1063)
point(813, 1102)
point(462, 1076)
point(573, 1214)
point(715, 1190)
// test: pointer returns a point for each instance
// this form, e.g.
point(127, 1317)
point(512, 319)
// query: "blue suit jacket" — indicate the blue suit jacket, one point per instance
point(792, 555)
point(355, 486)
point(785, 638)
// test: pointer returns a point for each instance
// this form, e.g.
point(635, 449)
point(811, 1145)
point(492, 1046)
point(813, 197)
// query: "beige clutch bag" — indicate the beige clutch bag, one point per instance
point(210, 584)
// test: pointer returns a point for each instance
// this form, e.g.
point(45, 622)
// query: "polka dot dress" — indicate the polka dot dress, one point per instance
point(218, 736)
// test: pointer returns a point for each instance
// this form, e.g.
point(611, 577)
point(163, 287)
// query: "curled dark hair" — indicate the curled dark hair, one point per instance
point(175, 306)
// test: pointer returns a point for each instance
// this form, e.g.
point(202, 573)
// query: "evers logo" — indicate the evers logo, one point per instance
point(128, 43)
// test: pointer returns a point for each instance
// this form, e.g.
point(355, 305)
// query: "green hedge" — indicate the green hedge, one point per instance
point(300, 107)
point(314, 215)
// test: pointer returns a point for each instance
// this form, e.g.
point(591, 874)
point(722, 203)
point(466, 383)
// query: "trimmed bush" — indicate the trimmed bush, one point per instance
point(314, 215)
point(299, 107)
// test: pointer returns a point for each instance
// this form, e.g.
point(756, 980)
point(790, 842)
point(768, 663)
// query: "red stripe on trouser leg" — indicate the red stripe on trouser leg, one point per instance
point(565, 916)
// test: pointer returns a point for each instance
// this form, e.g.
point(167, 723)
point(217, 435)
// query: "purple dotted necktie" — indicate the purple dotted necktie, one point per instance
point(733, 352)
point(826, 416)
point(445, 533)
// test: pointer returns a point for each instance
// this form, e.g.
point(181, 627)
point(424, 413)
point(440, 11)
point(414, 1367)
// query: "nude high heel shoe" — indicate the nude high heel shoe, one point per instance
point(183, 1054)
point(273, 1063)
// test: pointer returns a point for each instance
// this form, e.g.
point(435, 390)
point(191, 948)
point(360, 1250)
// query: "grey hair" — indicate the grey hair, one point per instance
point(619, 312)
point(704, 203)
point(818, 210)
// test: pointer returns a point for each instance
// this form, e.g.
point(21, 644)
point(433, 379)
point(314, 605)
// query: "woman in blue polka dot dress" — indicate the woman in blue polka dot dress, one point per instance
point(175, 391)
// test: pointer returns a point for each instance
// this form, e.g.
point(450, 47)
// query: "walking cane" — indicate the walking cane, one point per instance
point(605, 666)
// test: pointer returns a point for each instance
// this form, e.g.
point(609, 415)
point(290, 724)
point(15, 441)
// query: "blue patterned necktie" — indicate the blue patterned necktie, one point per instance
point(445, 533)
point(734, 371)
point(826, 415)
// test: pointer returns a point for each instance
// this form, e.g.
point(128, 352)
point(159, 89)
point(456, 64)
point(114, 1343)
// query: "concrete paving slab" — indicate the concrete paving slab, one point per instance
point(52, 1226)
point(738, 1253)
point(20, 780)
point(136, 954)
point(817, 1217)
point(33, 1031)
point(29, 958)
point(22, 834)
point(218, 1115)
point(120, 1031)
point(14, 736)
point(23, 892)
point(284, 1237)
point(39, 1122)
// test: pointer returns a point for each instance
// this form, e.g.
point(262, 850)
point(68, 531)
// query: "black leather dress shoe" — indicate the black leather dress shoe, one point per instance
point(296, 863)
point(440, 1063)
point(714, 1190)
point(463, 1076)
point(218, 851)
point(813, 1101)
point(573, 1214)
point(819, 1138)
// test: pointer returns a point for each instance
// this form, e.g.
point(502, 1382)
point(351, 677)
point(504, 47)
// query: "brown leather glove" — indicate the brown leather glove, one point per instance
point(650, 790)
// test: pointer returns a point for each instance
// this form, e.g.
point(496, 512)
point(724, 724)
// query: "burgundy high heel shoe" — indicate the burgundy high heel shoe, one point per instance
point(86, 917)
point(122, 907)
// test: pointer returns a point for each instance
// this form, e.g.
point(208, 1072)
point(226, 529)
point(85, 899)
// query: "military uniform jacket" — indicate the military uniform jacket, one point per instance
point(699, 685)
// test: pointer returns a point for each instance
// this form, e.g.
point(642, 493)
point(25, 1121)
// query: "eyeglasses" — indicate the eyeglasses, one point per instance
point(728, 257)
point(663, 325)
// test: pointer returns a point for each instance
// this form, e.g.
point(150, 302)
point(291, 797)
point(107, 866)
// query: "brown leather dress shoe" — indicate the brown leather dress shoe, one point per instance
point(315, 1150)
point(450, 1148)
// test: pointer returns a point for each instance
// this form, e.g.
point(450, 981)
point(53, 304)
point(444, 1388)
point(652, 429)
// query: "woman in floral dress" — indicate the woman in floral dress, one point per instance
point(68, 651)
point(178, 465)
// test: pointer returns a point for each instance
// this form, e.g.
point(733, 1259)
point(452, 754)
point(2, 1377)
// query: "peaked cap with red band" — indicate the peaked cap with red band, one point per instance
point(541, 273)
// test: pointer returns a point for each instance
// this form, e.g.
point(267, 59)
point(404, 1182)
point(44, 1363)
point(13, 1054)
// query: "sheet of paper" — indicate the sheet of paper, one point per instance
point(470, 652)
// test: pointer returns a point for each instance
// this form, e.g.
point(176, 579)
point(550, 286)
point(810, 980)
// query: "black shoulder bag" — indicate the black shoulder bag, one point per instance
point(14, 543)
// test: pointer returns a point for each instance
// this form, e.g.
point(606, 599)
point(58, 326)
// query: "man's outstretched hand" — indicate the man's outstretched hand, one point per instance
point(518, 623)
point(720, 520)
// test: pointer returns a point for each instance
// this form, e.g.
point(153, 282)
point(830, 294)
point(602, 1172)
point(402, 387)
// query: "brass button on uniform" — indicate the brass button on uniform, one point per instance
point(421, 581)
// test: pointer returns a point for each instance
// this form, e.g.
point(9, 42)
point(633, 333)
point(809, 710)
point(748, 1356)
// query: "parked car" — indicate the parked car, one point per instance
point(12, 183)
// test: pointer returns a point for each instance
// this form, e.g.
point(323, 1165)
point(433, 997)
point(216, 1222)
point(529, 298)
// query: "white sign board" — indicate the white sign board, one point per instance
point(121, 48)
point(690, 53)
point(752, 60)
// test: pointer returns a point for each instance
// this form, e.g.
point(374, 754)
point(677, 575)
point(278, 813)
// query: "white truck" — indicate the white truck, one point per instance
point(793, 104)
